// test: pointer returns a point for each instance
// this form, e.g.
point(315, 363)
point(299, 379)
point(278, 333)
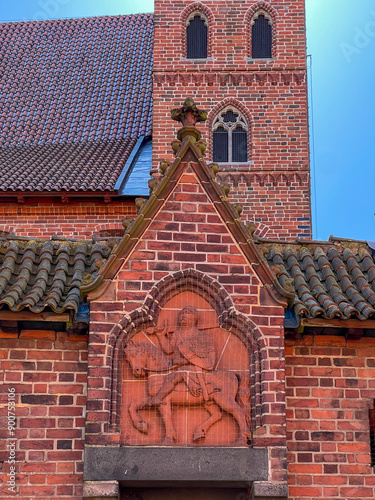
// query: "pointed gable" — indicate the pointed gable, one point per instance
point(188, 222)
point(187, 249)
point(76, 96)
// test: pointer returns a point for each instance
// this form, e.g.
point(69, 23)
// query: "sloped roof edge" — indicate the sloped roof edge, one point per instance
point(190, 151)
point(40, 275)
point(333, 280)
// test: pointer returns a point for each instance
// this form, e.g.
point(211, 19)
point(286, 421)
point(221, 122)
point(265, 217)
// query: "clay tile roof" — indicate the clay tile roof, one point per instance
point(330, 280)
point(43, 274)
point(75, 97)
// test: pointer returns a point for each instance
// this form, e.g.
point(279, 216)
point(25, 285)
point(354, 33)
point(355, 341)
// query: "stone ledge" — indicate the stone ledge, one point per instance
point(269, 491)
point(176, 466)
point(95, 490)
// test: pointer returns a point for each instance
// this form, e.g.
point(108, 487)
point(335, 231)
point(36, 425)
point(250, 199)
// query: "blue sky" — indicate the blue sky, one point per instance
point(341, 41)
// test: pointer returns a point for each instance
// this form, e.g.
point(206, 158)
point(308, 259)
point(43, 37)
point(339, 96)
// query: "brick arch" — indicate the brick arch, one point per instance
point(197, 7)
point(229, 319)
point(248, 23)
point(240, 106)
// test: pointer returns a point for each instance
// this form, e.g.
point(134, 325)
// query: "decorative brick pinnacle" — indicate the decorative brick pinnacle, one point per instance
point(189, 115)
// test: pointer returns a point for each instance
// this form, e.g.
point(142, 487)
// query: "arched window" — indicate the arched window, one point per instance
point(261, 35)
point(229, 132)
point(196, 35)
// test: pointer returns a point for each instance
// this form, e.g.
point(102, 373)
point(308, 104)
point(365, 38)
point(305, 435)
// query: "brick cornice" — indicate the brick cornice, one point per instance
point(232, 78)
point(274, 178)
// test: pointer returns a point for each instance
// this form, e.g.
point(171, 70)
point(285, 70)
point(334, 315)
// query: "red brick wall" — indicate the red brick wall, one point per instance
point(330, 387)
point(274, 185)
point(76, 219)
point(48, 372)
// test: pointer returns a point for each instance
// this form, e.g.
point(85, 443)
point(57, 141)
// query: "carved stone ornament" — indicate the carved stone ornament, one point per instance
point(189, 114)
point(186, 381)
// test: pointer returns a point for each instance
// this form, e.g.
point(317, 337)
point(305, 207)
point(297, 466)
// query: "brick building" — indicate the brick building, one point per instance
point(177, 335)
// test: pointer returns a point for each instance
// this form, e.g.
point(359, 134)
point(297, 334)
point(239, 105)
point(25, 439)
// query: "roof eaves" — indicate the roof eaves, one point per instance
point(279, 294)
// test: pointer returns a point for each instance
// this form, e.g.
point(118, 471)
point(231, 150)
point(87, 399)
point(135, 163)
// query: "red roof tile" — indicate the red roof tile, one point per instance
point(87, 166)
point(75, 95)
point(43, 275)
point(330, 280)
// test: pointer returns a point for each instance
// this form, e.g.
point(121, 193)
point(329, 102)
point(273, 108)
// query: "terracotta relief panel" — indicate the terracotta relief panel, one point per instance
point(186, 380)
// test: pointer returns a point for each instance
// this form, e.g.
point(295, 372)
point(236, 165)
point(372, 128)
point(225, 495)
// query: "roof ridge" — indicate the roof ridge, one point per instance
point(106, 16)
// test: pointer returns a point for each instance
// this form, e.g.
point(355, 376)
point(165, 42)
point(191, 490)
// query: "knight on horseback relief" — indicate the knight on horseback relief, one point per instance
point(184, 356)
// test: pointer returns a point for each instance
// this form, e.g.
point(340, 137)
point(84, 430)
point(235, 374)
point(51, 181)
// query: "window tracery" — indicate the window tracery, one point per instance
point(230, 136)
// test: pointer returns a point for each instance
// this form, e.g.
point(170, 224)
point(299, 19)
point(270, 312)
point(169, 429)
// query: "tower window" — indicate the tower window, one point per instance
point(196, 36)
point(229, 133)
point(261, 36)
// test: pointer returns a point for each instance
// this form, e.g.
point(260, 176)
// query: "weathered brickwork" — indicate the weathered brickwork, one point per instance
point(74, 220)
point(48, 371)
point(330, 387)
point(187, 234)
point(271, 92)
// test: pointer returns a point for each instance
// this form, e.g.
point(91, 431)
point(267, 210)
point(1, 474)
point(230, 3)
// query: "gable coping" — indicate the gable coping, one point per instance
point(230, 217)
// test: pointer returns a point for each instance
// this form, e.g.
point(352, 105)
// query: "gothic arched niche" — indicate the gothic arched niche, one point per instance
point(188, 368)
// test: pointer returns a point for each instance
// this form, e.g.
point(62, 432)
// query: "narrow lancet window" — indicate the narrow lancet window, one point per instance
point(197, 36)
point(261, 36)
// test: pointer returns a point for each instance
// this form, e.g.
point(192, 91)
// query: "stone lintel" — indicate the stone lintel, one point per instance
point(172, 466)
point(269, 491)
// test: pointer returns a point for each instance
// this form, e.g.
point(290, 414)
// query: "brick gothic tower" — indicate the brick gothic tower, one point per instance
point(245, 63)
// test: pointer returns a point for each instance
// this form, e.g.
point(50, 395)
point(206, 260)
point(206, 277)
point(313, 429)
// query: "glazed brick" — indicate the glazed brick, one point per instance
point(38, 399)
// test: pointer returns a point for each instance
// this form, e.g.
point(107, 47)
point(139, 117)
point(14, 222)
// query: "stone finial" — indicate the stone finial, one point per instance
point(189, 115)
